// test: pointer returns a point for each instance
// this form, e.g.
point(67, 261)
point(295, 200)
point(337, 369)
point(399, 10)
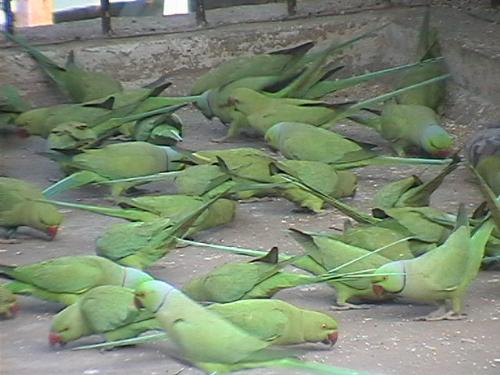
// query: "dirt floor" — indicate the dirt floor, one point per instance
point(381, 340)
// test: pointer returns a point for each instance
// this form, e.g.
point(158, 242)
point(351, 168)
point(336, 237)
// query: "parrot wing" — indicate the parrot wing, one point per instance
point(109, 307)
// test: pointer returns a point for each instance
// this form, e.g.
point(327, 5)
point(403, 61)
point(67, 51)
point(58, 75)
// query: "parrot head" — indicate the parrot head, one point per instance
point(437, 142)
point(244, 100)
point(46, 218)
point(134, 277)
point(319, 327)
point(31, 122)
point(389, 278)
point(71, 135)
point(272, 135)
point(152, 295)
point(68, 325)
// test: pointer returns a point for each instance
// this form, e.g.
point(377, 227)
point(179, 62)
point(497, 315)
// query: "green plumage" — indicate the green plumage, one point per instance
point(433, 95)
point(233, 281)
point(209, 341)
point(107, 310)
point(65, 279)
point(442, 274)
point(330, 254)
point(267, 64)
point(18, 207)
point(411, 191)
point(117, 161)
point(141, 244)
point(79, 84)
point(8, 306)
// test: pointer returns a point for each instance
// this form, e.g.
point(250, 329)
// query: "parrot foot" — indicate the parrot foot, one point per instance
point(343, 306)
point(224, 139)
point(449, 315)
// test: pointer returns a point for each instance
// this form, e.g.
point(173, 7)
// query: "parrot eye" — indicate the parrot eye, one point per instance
point(323, 325)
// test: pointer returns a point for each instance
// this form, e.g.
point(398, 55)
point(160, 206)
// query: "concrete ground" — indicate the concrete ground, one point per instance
point(380, 340)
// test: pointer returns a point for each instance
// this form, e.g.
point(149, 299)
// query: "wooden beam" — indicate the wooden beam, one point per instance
point(201, 18)
point(105, 17)
point(292, 7)
point(34, 12)
point(9, 16)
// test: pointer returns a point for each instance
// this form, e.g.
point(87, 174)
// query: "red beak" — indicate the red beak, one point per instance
point(442, 154)
point(378, 290)
point(52, 231)
point(54, 339)
point(332, 338)
point(22, 133)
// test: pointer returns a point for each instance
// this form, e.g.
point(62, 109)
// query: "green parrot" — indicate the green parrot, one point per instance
point(74, 136)
point(330, 254)
point(209, 341)
point(116, 161)
point(483, 153)
point(19, 207)
point(234, 281)
point(411, 129)
point(428, 47)
point(40, 121)
point(163, 129)
point(441, 275)
point(105, 309)
point(8, 305)
point(267, 64)
point(269, 319)
point(11, 106)
point(411, 191)
point(141, 244)
point(66, 279)
point(306, 142)
point(373, 237)
point(81, 85)
point(317, 174)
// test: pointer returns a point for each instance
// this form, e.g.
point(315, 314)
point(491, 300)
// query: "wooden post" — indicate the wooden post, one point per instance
point(34, 12)
point(105, 17)
point(292, 7)
point(201, 18)
point(9, 17)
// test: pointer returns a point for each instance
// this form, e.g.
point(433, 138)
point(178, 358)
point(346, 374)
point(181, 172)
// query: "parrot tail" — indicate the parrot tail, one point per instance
point(48, 65)
point(391, 160)
point(128, 214)
point(7, 271)
point(125, 342)
point(294, 363)
point(71, 182)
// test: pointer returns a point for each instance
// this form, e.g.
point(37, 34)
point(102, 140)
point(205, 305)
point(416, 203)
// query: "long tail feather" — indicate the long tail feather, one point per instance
point(71, 182)
point(128, 214)
point(391, 160)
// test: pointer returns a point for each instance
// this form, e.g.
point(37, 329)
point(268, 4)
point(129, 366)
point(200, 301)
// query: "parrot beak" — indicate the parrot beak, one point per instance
point(22, 133)
point(442, 154)
point(55, 339)
point(331, 339)
point(378, 290)
point(138, 304)
point(52, 231)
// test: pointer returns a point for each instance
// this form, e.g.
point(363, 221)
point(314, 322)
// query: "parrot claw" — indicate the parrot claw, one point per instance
point(432, 317)
point(348, 306)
